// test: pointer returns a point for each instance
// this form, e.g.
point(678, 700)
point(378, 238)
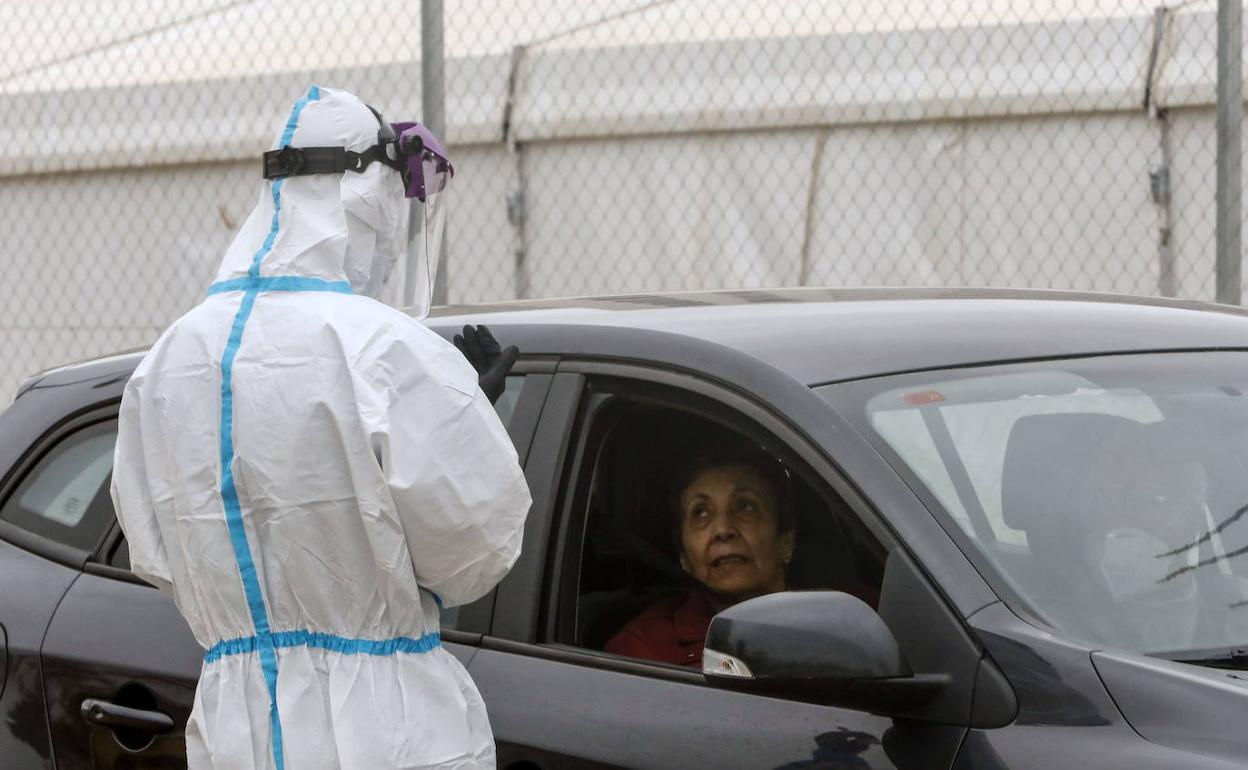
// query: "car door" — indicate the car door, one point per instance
point(556, 704)
point(49, 526)
point(30, 586)
point(120, 665)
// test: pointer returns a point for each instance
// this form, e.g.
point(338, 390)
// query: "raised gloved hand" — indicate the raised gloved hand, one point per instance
point(488, 358)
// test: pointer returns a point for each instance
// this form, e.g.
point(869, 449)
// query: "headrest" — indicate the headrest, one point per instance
point(1046, 460)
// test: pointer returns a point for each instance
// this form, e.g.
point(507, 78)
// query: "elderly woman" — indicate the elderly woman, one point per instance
point(735, 534)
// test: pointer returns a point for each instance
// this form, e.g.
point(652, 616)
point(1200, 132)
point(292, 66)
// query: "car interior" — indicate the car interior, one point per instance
point(1055, 491)
point(629, 559)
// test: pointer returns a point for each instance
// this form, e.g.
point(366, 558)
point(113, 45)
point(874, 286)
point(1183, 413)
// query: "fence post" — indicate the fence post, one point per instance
point(433, 115)
point(1229, 158)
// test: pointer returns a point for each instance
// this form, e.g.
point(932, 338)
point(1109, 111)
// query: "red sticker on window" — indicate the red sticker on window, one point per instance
point(926, 397)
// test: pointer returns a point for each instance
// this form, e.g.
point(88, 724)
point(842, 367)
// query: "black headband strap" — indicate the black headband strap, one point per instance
point(299, 161)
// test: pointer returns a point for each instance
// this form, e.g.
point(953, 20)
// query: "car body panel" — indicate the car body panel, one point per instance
point(1059, 746)
point(1066, 715)
point(561, 715)
point(108, 635)
point(32, 588)
point(818, 336)
point(1191, 708)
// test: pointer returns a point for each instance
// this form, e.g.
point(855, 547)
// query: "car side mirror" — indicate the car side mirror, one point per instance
point(825, 646)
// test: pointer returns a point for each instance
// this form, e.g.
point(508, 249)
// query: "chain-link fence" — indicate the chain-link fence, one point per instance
point(619, 146)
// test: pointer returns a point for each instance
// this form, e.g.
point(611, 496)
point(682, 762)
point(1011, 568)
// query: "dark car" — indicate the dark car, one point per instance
point(1036, 500)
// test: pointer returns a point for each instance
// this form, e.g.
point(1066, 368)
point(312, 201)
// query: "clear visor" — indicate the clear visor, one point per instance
point(428, 220)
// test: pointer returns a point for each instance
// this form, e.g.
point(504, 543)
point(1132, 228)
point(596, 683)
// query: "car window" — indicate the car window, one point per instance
point(65, 496)
point(506, 403)
point(681, 514)
point(1109, 493)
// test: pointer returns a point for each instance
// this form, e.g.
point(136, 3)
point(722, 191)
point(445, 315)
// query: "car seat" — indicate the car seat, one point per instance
point(1048, 493)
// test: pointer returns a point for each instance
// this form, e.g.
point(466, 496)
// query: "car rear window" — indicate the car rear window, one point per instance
point(65, 496)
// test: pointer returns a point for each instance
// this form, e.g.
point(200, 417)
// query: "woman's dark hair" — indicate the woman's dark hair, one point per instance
point(733, 450)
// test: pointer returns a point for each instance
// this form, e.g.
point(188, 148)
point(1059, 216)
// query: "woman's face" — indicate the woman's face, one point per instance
point(728, 530)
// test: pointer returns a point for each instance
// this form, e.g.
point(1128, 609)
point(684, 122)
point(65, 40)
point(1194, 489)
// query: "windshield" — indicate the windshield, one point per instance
point(1110, 493)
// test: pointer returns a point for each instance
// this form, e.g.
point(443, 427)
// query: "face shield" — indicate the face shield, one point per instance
point(426, 180)
point(377, 229)
point(410, 149)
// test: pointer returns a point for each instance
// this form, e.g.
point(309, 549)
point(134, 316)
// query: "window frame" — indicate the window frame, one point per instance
point(562, 547)
point(31, 459)
point(538, 373)
point(521, 426)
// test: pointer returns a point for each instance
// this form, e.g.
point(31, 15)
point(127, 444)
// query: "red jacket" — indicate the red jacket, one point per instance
point(671, 631)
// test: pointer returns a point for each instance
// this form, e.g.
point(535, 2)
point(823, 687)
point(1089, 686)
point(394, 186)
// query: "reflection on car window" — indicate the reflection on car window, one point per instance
point(684, 517)
point(1109, 492)
point(65, 497)
point(506, 404)
point(980, 431)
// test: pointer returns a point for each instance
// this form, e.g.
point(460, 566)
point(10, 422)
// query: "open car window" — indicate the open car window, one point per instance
point(626, 561)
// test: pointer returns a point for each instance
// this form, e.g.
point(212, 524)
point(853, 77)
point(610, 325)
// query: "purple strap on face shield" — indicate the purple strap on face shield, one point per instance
point(431, 162)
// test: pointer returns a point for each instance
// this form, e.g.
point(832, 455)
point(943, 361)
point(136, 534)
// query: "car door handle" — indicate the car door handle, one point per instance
point(107, 714)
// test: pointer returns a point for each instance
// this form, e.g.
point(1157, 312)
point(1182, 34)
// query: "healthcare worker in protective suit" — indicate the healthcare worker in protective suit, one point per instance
point(312, 474)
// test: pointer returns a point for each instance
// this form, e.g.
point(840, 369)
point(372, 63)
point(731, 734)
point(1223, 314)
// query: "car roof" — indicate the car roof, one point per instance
point(820, 335)
point(831, 335)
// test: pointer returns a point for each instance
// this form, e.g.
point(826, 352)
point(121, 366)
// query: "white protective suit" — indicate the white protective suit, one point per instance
point(310, 473)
